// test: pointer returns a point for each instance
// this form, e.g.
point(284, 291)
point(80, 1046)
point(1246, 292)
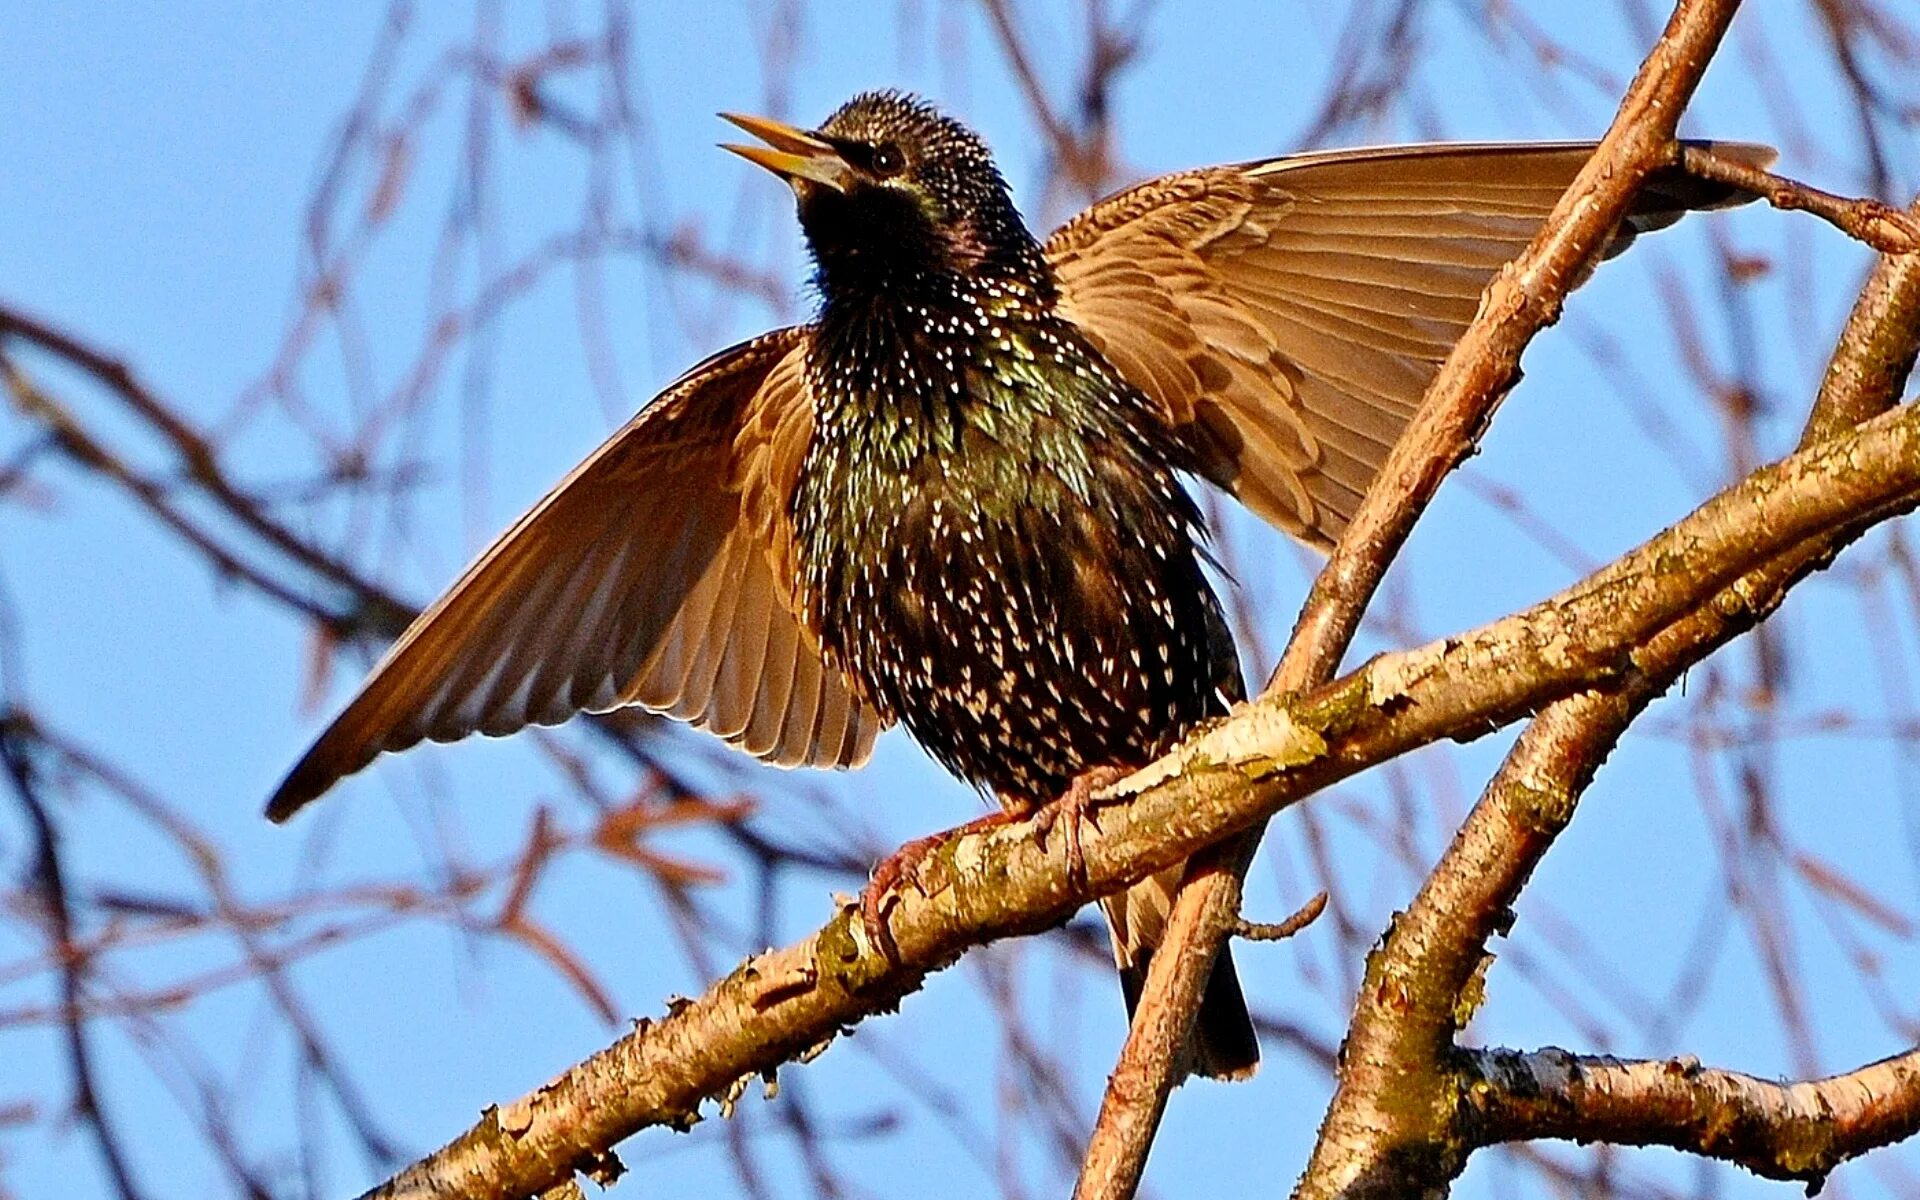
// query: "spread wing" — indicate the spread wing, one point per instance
point(1288, 315)
point(660, 573)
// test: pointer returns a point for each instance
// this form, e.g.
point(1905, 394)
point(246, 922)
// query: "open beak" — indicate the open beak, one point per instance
point(793, 154)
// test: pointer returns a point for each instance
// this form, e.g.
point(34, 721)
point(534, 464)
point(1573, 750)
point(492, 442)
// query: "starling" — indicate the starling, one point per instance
point(956, 500)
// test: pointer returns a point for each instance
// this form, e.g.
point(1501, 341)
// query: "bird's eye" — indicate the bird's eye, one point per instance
point(887, 160)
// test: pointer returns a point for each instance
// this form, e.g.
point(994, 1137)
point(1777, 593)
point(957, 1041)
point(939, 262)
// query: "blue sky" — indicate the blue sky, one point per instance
point(154, 167)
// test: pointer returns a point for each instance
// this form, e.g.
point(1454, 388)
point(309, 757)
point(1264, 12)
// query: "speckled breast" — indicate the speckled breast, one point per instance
point(1011, 568)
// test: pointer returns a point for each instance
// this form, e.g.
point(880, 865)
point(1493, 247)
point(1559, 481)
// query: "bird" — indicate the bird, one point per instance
point(960, 499)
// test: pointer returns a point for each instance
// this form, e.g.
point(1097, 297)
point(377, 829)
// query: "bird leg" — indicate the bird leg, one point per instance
point(1075, 805)
point(903, 866)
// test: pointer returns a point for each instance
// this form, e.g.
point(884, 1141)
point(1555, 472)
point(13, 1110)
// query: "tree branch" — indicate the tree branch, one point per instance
point(1874, 222)
point(1798, 1131)
point(51, 883)
point(375, 609)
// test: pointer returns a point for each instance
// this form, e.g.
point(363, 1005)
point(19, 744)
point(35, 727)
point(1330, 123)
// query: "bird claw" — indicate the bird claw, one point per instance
point(903, 867)
point(1078, 803)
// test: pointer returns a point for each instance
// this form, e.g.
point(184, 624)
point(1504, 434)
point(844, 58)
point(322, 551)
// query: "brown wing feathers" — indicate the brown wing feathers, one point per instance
point(655, 574)
point(1289, 314)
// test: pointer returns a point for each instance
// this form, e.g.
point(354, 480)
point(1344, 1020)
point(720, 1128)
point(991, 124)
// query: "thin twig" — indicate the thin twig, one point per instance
point(1280, 931)
point(1874, 222)
point(50, 876)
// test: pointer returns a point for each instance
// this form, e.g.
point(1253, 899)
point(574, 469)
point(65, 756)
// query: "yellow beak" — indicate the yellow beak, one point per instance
point(793, 154)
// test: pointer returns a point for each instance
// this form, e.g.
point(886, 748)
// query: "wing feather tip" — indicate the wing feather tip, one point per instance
point(864, 740)
point(303, 785)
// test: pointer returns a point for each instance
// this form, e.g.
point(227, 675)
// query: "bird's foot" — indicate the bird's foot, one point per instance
point(1078, 803)
point(903, 867)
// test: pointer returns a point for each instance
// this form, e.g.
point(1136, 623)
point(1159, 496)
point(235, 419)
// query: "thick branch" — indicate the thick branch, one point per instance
point(1782, 1131)
point(1524, 298)
point(1269, 753)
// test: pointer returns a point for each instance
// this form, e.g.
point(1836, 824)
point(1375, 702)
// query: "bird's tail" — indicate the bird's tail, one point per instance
point(1224, 1043)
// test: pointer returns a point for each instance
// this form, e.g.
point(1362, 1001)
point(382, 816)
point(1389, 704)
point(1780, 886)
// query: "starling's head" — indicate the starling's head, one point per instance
point(891, 191)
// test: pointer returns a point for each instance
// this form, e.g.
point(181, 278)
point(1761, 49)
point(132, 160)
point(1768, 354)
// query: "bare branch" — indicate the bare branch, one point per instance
point(1798, 1131)
point(51, 883)
point(380, 611)
point(1874, 222)
point(1280, 931)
